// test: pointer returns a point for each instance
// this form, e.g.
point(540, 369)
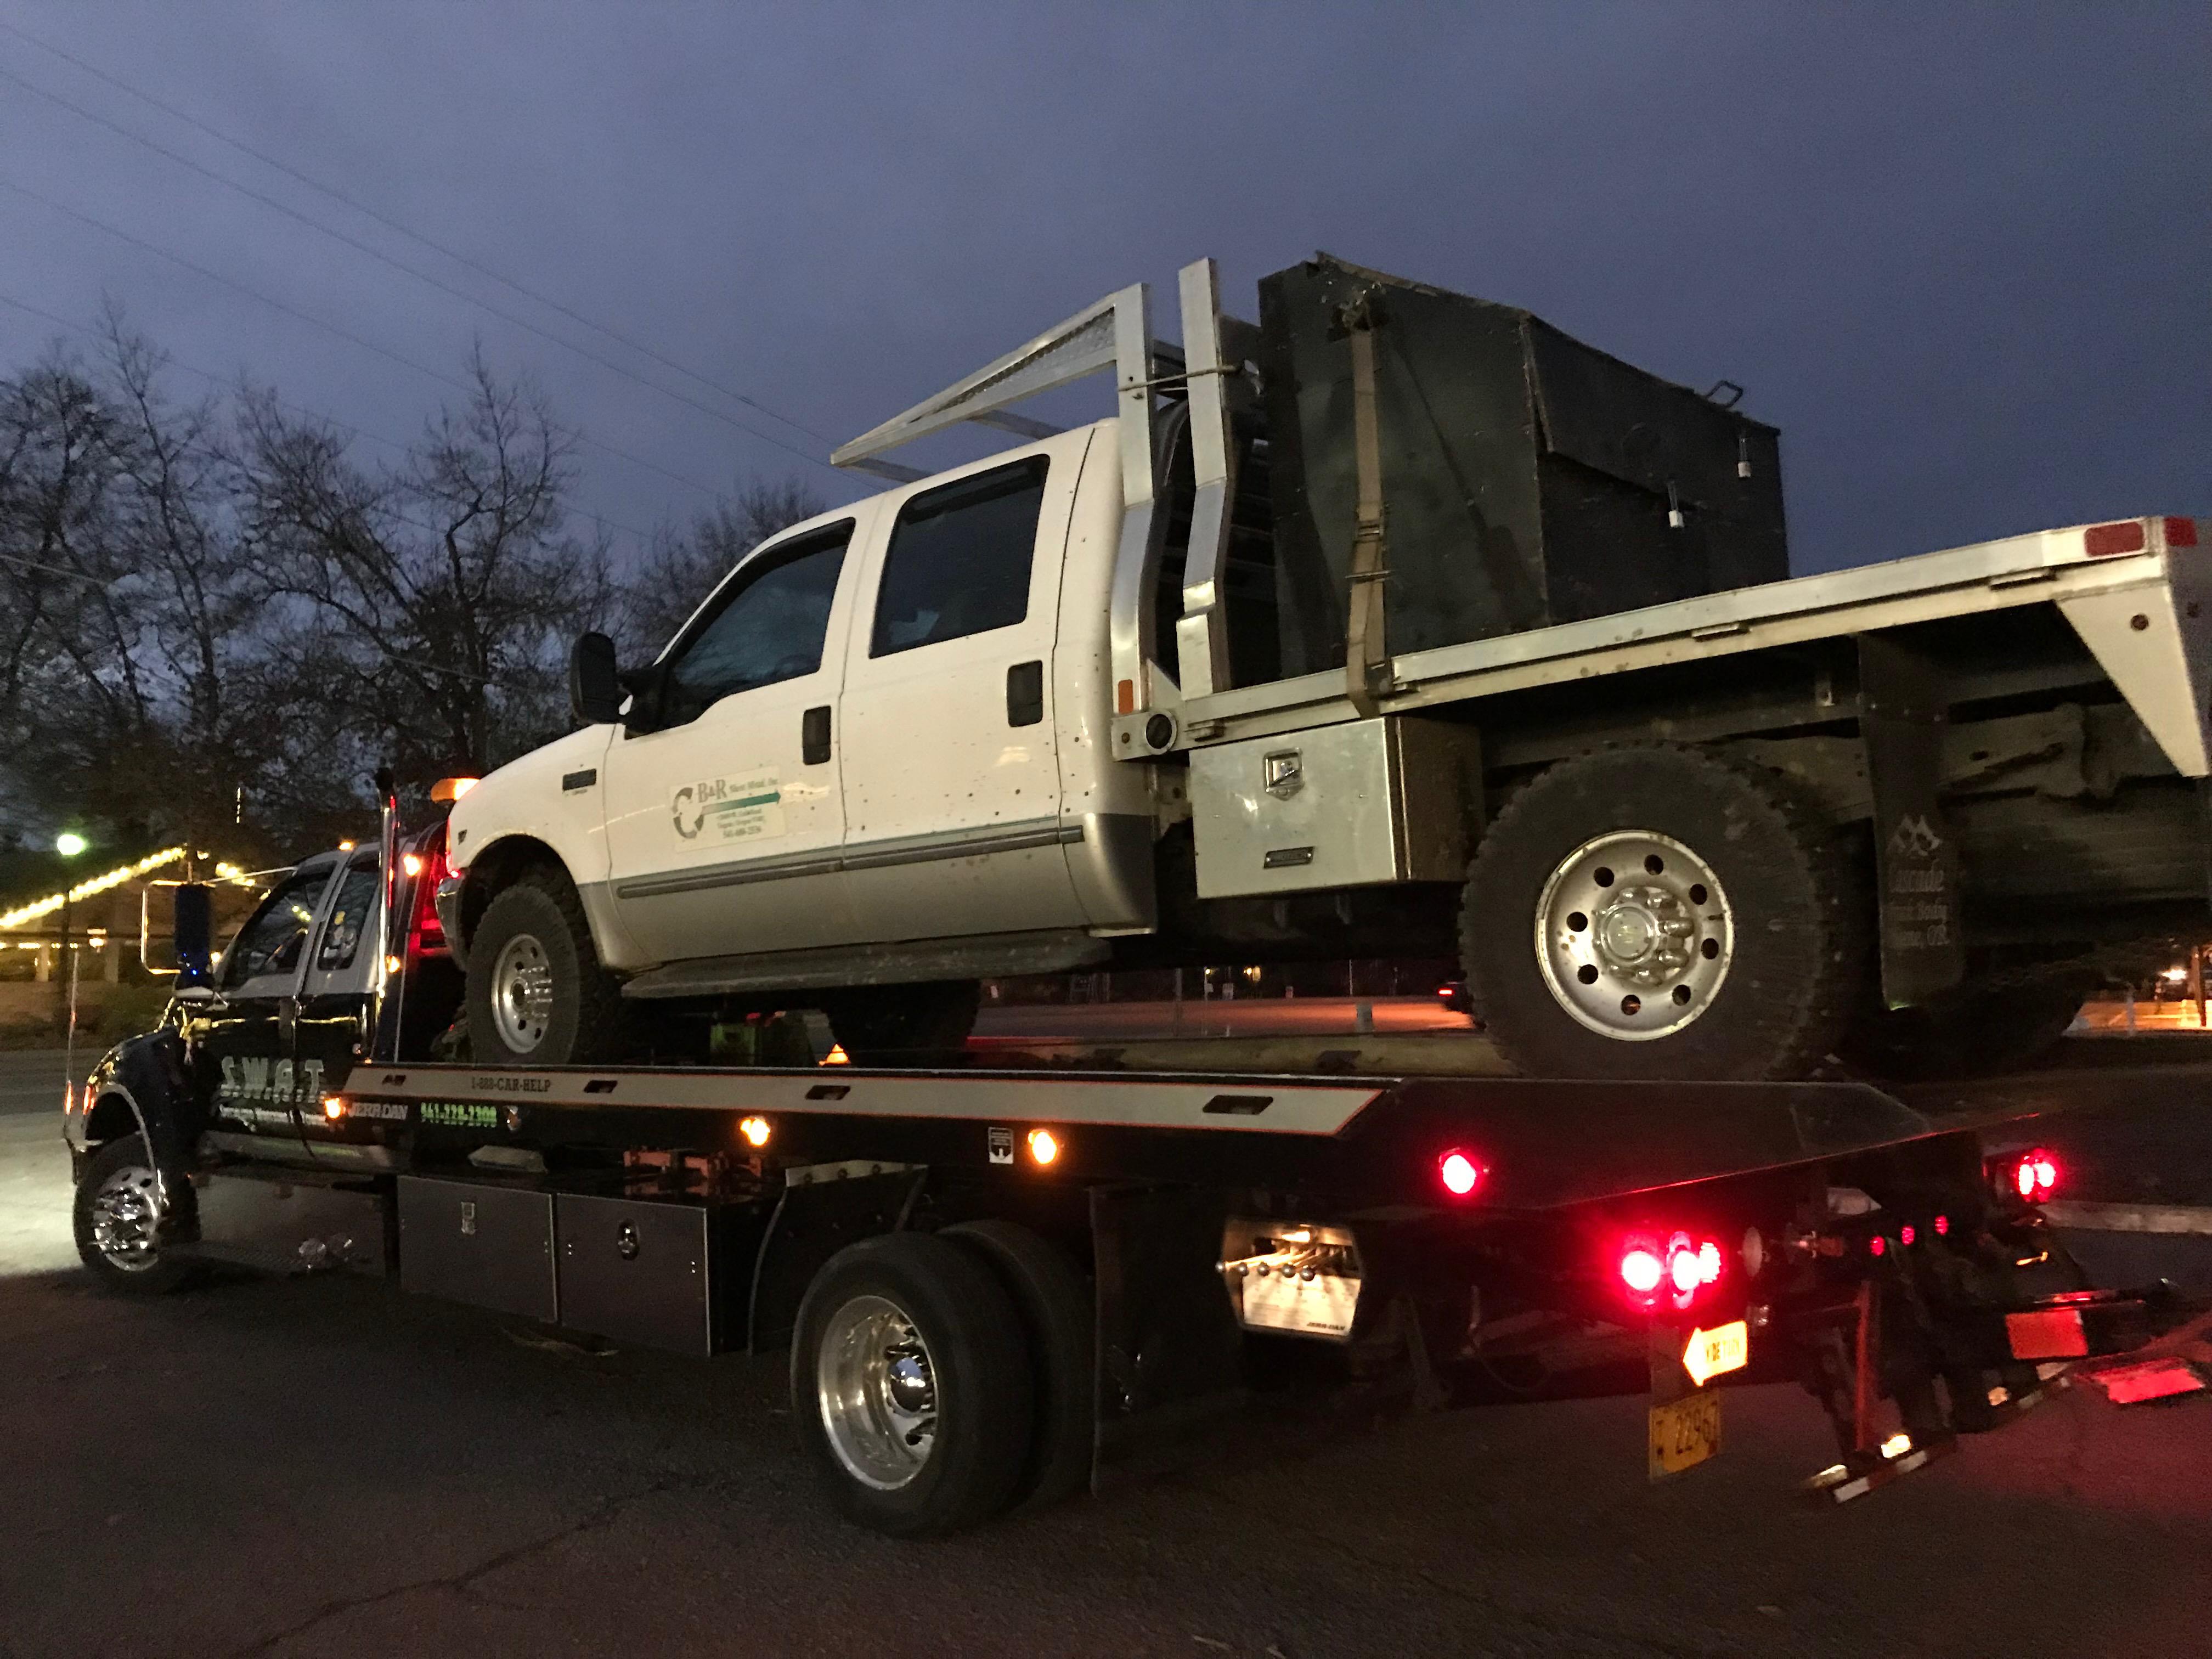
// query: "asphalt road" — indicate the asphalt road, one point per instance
point(326, 1467)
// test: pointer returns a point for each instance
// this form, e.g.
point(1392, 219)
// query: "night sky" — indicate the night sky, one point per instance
point(1964, 262)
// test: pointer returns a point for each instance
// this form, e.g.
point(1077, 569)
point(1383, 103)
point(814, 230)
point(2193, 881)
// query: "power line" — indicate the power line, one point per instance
point(382, 258)
point(392, 224)
point(332, 328)
point(644, 539)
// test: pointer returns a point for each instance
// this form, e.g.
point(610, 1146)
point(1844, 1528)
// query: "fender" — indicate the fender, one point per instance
point(141, 1086)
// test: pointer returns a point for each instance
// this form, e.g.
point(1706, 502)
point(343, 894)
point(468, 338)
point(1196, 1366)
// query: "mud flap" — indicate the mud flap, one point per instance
point(1171, 1357)
point(1903, 715)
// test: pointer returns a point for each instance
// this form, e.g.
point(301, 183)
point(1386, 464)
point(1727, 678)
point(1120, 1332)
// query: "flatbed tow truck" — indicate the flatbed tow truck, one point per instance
point(1000, 1283)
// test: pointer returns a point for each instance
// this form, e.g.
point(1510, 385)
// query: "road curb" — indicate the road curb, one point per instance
point(2131, 1217)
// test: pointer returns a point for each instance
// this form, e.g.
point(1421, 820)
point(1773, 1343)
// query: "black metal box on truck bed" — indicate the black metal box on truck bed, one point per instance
point(1526, 478)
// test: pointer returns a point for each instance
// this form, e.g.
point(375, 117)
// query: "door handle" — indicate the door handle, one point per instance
point(814, 736)
point(1025, 694)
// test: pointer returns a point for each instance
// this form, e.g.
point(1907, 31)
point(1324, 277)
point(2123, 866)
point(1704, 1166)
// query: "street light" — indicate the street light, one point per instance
point(68, 844)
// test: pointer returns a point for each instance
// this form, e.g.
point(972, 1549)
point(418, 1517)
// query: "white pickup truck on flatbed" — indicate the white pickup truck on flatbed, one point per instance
point(1398, 624)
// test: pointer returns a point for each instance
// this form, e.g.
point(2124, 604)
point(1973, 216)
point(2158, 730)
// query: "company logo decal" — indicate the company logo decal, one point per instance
point(718, 811)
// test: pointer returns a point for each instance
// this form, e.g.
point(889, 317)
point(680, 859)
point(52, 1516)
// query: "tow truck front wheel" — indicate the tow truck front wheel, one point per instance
point(1663, 912)
point(911, 1385)
point(117, 1216)
point(537, 994)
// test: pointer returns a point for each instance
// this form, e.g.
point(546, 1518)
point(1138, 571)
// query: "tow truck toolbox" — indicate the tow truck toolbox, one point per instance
point(1002, 1285)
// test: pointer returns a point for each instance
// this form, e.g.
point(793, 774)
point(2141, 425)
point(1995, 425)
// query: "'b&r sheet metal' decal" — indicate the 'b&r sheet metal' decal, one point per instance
point(719, 811)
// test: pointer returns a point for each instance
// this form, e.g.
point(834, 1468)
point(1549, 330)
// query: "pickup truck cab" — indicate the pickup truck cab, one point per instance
point(1120, 696)
point(889, 724)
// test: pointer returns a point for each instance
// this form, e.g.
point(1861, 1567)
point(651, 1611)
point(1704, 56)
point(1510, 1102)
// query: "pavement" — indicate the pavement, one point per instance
point(326, 1467)
point(31, 1078)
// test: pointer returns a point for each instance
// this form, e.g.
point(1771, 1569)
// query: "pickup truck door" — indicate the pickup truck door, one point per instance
point(952, 787)
point(248, 1041)
point(724, 813)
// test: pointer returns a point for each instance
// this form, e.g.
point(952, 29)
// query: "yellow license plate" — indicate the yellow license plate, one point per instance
point(1685, 1432)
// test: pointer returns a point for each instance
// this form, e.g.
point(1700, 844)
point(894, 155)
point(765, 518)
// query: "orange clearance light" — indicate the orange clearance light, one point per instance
point(450, 789)
point(837, 1056)
point(334, 1107)
point(1044, 1146)
point(392, 964)
point(1459, 1173)
point(755, 1130)
point(412, 864)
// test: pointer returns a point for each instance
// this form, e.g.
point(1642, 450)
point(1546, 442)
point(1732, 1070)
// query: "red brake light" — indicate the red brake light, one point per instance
point(1641, 1269)
point(2030, 1175)
point(1682, 1268)
point(2024, 1178)
point(426, 935)
point(2181, 533)
point(2101, 541)
point(1459, 1173)
point(1876, 1245)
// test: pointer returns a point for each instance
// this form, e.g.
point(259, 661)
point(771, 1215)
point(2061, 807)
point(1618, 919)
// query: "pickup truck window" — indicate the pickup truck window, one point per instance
point(272, 941)
point(769, 627)
point(959, 559)
point(348, 913)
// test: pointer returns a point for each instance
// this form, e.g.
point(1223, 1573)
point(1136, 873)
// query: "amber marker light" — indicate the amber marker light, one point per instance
point(1044, 1146)
point(755, 1130)
point(334, 1107)
point(412, 864)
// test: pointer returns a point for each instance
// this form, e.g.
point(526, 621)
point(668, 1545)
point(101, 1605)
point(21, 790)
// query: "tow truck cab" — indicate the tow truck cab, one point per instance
point(313, 982)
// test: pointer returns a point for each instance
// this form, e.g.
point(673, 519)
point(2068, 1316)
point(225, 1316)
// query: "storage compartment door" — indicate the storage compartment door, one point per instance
point(491, 1246)
point(637, 1271)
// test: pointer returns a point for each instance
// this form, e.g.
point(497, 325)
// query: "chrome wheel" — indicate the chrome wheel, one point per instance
point(125, 1211)
point(522, 993)
point(877, 1393)
point(1634, 935)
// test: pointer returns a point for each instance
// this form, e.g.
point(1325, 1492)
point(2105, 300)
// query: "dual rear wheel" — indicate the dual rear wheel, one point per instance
point(938, 1379)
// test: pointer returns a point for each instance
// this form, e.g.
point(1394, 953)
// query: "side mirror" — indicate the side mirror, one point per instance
point(194, 932)
point(594, 689)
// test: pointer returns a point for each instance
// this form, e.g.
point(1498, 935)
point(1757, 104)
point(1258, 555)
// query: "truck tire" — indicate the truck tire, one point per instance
point(115, 1216)
point(537, 994)
point(905, 1024)
point(1059, 1315)
point(1661, 912)
point(910, 1385)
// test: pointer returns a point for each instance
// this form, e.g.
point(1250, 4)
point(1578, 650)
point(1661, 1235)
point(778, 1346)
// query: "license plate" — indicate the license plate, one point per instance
point(1685, 1432)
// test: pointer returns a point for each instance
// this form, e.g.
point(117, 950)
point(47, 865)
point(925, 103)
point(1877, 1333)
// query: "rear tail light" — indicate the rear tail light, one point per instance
point(1641, 1269)
point(1680, 1267)
point(1459, 1173)
point(2031, 1176)
point(426, 935)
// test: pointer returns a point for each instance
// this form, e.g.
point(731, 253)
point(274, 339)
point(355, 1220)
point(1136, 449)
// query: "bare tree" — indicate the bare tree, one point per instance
point(119, 599)
point(423, 609)
point(682, 567)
